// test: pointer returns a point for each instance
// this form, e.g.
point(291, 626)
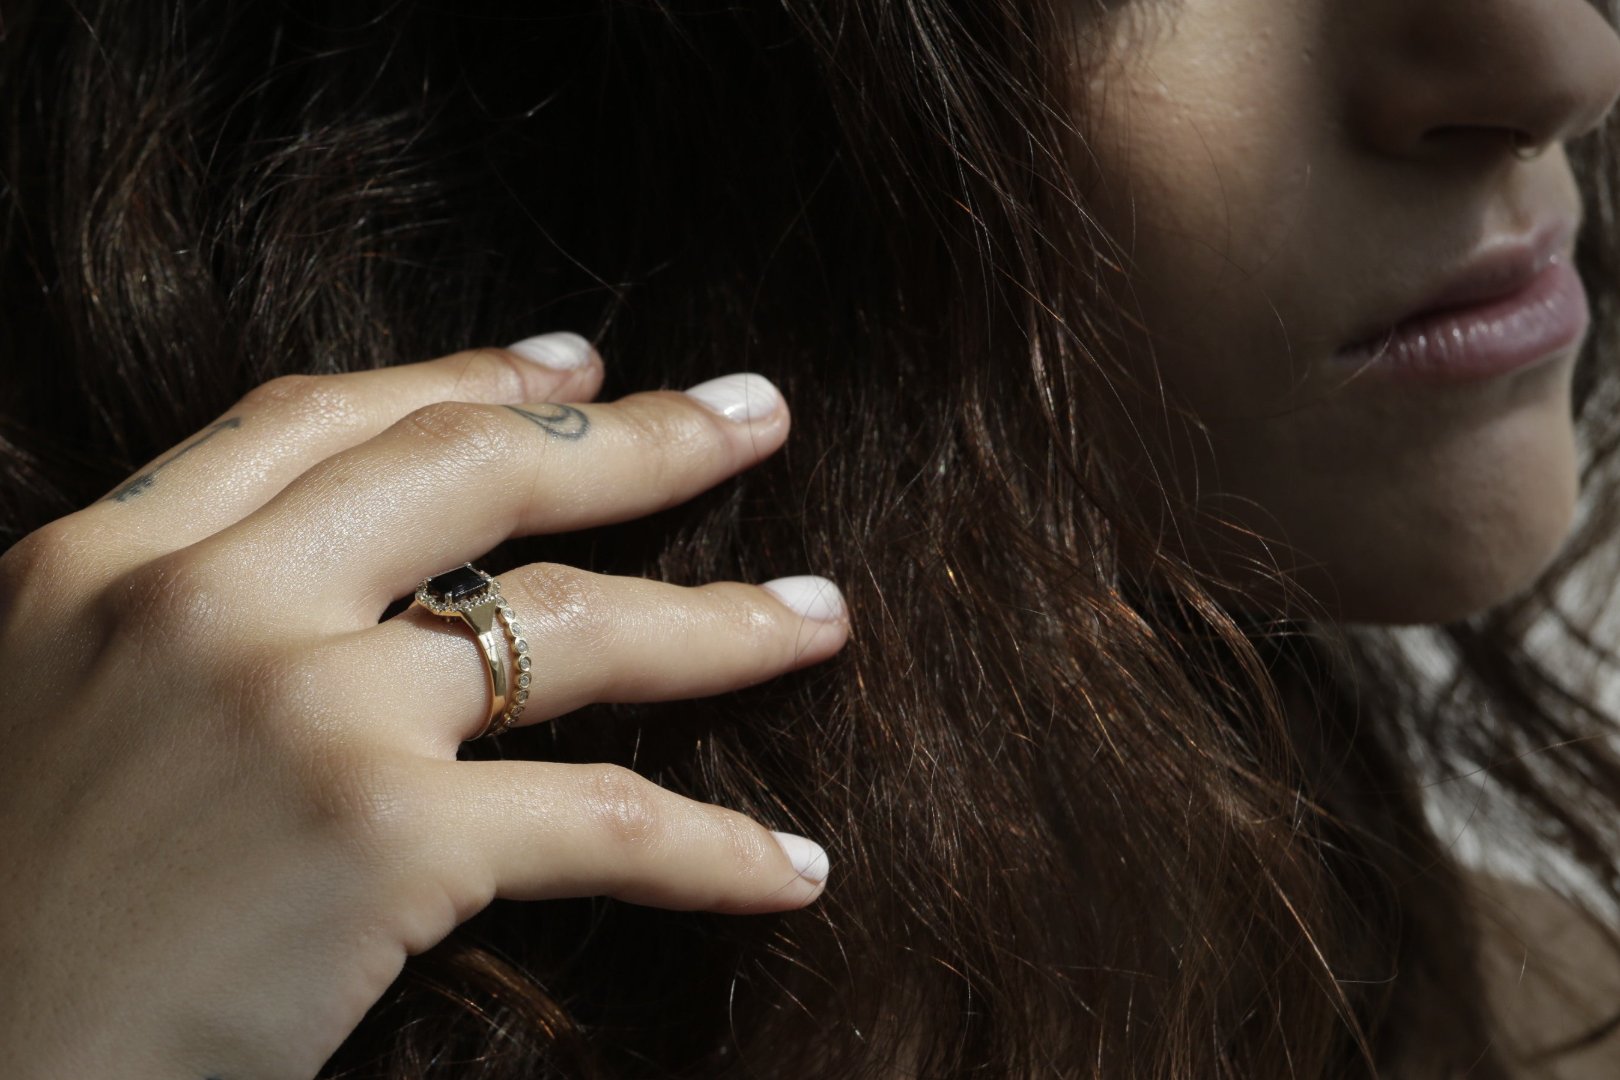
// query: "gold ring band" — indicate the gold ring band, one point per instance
point(469, 594)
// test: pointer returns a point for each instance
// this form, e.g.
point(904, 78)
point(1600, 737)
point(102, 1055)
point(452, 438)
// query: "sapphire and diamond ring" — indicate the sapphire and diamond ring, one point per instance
point(469, 594)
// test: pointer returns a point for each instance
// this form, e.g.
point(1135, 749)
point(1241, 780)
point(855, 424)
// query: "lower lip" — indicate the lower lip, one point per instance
point(1547, 316)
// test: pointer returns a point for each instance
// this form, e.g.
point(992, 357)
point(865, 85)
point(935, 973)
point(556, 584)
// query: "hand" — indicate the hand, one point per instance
point(230, 805)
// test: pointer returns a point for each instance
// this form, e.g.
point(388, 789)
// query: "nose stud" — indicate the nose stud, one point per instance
point(1525, 148)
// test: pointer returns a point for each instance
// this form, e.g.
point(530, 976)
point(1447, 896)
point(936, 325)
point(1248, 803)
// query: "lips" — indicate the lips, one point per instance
point(1499, 268)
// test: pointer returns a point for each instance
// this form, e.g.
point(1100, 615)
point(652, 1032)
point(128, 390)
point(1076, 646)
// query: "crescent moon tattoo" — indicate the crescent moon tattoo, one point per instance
point(558, 421)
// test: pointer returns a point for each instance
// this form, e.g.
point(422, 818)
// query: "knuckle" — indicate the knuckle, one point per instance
point(671, 433)
point(44, 555)
point(177, 598)
point(567, 602)
point(494, 372)
point(324, 400)
point(625, 806)
point(740, 613)
point(310, 403)
point(471, 432)
point(284, 390)
point(35, 569)
point(741, 840)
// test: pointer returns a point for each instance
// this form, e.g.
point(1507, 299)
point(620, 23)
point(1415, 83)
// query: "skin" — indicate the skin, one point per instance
point(315, 827)
point(1279, 172)
point(247, 809)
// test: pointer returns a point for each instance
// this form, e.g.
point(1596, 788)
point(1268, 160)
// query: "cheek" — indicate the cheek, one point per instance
point(1387, 504)
point(1208, 214)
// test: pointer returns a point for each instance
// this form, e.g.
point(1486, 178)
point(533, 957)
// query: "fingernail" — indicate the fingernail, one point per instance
point(807, 856)
point(811, 596)
point(741, 397)
point(562, 350)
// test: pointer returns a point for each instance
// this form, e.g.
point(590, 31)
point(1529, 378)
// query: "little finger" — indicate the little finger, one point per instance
point(528, 830)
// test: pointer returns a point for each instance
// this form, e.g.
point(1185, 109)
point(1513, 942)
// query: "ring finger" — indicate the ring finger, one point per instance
point(592, 637)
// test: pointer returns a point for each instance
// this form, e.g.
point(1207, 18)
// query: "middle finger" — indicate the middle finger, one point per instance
point(450, 481)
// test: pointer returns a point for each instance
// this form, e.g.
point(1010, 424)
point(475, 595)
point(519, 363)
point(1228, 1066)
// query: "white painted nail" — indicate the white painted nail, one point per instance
point(811, 596)
point(740, 397)
point(807, 856)
point(563, 350)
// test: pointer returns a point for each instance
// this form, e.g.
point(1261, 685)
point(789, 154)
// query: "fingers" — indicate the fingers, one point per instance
point(540, 830)
point(286, 425)
point(450, 481)
point(592, 637)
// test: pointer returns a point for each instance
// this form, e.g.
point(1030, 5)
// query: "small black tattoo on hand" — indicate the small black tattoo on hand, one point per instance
point(144, 481)
point(558, 421)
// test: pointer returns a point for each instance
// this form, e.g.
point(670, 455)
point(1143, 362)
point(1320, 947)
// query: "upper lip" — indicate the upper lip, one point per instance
point(1499, 267)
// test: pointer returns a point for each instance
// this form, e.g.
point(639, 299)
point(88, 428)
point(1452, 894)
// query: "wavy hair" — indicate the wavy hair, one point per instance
point(1078, 826)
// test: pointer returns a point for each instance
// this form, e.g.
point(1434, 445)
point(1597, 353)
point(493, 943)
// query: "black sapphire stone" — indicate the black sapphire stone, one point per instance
point(453, 585)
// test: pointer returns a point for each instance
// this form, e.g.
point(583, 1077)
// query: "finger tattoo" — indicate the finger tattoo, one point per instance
point(144, 481)
point(558, 421)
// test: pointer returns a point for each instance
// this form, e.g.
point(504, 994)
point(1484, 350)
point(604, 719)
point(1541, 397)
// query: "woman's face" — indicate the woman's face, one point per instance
point(1285, 176)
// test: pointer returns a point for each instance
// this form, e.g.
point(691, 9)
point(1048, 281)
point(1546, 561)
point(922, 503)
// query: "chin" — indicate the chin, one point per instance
point(1466, 516)
point(1435, 592)
point(1407, 586)
point(1446, 575)
point(1446, 546)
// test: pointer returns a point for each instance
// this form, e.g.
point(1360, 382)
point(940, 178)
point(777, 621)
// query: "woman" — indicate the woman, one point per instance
point(1034, 708)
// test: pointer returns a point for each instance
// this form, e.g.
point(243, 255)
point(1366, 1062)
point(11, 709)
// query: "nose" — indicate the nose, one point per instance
point(1492, 75)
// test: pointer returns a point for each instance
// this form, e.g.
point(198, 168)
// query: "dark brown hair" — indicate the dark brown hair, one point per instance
point(1075, 829)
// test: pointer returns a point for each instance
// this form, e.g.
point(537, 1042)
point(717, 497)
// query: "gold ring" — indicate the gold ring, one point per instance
point(469, 594)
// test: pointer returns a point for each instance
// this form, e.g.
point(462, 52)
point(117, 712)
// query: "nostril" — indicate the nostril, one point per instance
point(1471, 83)
point(1489, 141)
